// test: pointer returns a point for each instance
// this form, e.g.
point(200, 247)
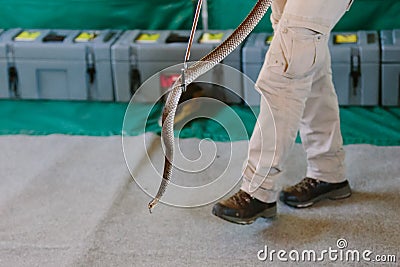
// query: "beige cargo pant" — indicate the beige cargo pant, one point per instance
point(296, 81)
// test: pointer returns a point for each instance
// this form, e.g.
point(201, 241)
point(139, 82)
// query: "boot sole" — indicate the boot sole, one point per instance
point(267, 214)
point(340, 193)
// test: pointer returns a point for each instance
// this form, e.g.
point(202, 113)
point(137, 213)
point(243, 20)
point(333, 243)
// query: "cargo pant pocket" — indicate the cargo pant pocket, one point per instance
point(295, 52)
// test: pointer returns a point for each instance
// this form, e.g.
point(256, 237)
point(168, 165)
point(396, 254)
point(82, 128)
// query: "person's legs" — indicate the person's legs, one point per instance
point(322, 141)
point(320, 130)
point(296, 53)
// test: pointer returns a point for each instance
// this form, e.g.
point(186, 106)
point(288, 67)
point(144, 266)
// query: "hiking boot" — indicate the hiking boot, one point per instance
point(309, 190)
point(241, 208)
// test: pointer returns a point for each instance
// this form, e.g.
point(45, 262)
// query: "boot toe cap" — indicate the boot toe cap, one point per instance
point(221, 210)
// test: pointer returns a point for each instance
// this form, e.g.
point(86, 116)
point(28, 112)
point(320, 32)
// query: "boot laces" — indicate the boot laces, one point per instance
point(241, 198)
point(307, 184)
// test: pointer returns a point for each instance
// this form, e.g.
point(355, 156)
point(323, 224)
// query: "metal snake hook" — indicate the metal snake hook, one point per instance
point(190, 42)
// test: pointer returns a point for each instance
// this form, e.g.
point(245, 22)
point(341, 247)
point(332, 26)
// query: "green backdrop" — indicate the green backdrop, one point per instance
point(363, 15)
point(169, 14)
point(95, 14)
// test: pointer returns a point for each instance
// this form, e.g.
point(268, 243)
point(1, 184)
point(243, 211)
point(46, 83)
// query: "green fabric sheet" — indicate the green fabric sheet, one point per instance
point(360, 125)
point(170, 14)
point(96, 14)
point(363, 15)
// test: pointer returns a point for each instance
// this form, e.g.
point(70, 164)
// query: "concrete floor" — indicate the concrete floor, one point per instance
point(70, 201)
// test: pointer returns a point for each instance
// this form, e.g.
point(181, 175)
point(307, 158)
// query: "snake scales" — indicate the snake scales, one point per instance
point(191, 73)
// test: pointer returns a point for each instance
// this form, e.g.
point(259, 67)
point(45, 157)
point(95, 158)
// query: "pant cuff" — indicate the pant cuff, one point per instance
point(336, 177)
point(262, 194)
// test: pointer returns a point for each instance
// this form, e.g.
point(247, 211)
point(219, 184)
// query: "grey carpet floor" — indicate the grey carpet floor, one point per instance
point(70, 201)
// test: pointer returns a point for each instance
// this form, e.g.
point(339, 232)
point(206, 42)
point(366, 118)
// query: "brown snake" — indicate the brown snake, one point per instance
point(193, 72)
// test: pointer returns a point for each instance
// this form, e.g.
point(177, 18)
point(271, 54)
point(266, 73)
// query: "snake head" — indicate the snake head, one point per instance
point(150, 207)
point(152, 204)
